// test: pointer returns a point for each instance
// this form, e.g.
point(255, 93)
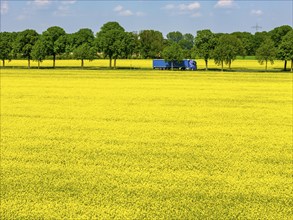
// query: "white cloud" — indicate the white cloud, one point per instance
point(64, 8)
point(121, 11)
point(4, 7)
point(56, 7)
point(189, 7)
point(169, 7)
point(257, 12)
point(183, 7)
point(126, 13)
point(68, 2)
point(41, 3)
point(194, 6)
point(38, 4)
point(118, 8)
point(224, 4)
point(62, 11)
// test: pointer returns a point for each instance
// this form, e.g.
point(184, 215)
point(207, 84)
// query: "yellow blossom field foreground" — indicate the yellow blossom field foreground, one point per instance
point(145, 144)
point(141, 63)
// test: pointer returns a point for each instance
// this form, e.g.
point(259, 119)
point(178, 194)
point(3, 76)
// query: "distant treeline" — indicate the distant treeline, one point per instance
point(113, 42)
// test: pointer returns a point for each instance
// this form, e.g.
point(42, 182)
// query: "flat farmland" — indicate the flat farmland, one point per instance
point(237, 65)
point(145, 144)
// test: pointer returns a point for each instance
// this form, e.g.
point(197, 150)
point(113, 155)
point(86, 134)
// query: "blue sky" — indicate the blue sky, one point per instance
point(165, 16)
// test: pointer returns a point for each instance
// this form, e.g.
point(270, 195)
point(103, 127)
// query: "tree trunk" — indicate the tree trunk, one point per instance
point(172, 66)
point(54, 58)
point(28, 63)
point(285, 65)
point(230, 64)
point(206, 61)
point(110, 64)
point(82, 63)
point(222, 63)
point(38, 64)
point(291, 65)
point(266, 65)
point(3, 61)
point(115, 63)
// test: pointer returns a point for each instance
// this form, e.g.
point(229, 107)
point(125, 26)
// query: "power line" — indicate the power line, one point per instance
point(256, 27)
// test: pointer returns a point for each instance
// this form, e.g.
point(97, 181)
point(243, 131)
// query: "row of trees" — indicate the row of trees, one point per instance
point(113, 42)
point(266, 46)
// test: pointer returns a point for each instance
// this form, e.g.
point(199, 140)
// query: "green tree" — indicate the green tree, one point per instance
point(82, 45)
point(109, 40)
point(205, 42)
point(247, 41)
point(151, 43)
point(125, 46)
point(70, 45)
point(285, 50)
point(266, 52)
point(84, 35)
point(25, 42)
point(6, 46)
point(84, 51)
point(131, 41)
point(39, 51)
point(55, 40)
point(276, 35)
point(226, 50)
point(258, 39)
point(186, 44)
point(173, 53)
point(175, 36)
point(134, 48)
point(128, 45)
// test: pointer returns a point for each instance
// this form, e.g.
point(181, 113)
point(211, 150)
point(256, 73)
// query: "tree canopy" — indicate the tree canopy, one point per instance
point(82, 45)
point(226, 50)
point(55, 41)
point(266, 52)
point(175, 36)
point(277, 35)
point(84, 51)
point(173, 53)
point(39, 52)
point(109, 40)
point(113, 42)
point(247, 41)
point(152, 43)
point(25, 42)
point(285, 50)
point(6, 46)
point(205, 42)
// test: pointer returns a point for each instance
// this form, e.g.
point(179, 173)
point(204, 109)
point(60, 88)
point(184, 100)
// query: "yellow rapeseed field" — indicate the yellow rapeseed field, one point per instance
point(140, 63)
point(129, 63)
point(145, 144)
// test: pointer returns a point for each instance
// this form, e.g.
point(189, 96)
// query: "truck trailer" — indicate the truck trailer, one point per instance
point(186, 64)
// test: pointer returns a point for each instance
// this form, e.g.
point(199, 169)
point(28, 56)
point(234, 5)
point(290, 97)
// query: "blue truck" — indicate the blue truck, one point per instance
point(182, 65)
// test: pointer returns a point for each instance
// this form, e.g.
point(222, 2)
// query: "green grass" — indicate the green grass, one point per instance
point(145, 145)
point(246, 58)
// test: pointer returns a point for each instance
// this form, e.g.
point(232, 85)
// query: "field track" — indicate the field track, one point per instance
point(144, 144)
